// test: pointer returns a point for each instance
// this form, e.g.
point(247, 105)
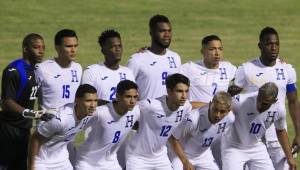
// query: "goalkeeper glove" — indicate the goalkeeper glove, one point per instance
point(44, 115)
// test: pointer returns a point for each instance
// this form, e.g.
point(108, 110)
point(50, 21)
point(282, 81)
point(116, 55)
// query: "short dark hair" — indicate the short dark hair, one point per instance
point(85, 88)
point(62, 34)
point(176, 78)
point(209, 38)
point(106, 35)
point(126, 85)
point(267, 31)
point(268, 89)
point(28, 39)
point(157, 19)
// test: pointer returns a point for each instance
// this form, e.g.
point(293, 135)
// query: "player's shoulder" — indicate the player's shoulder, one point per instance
point(230, 117)
point(139, 56)
point(251, 63)
point(171, 52)
point(45, 65)
point(97, 66)
point(124, 68)
point(76, 65)
point(15, 67)
point(227, 64)
point(188, 64)
point(285, 65)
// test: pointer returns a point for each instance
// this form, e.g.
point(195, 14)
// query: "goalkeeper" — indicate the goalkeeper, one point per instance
point(18, 95)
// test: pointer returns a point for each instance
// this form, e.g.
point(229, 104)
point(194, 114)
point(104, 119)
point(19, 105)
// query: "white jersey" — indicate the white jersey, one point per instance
point(156, 125)
point(105, 80)
point(250, 125)
point(253, 74)
point(60, 130)
point(205, 82)
point(58, 85)
point(197, 133)
point(151, 70)
point(109, 130)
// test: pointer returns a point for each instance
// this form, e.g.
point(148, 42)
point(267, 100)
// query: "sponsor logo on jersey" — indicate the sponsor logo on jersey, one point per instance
point(110, 122)
point(203, 73)
point(11, 69)
point(103, 78)
point(57, 76)
point(152, 64)
point(259, 74)
point(249, 114)
point(160, 115)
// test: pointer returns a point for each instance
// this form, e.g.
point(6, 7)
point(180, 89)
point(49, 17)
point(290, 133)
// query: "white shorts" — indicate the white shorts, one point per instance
point(134, 162)
point(105, 163)
point(205, 161)
point(257, 157)
point(59, 166)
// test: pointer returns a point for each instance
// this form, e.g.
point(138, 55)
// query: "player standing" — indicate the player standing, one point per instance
point(19, 90)
point(209, 75)
point(48, 144)
point(60, 77)
point(151, 68)
point(193, 138)
point(268, 68)
point(254, 114)
point(159, 118)
point(110, 126)
point(106, 75)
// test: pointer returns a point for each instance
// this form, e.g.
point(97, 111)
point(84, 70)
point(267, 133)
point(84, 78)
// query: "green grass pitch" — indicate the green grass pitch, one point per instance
point(237, 22)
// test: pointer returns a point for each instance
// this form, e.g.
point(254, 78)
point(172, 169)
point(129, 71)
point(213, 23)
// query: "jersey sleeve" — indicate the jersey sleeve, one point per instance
point(49, 128)
point(184, 70)
point(38, 75)
point(240, 77)
point(87, 77)
point(144, 105)
point(235, 103)
point(10, 83)
point(292, 74)
point(183, 129)
point(233, 71)
point(133, 66)
point(280, 123)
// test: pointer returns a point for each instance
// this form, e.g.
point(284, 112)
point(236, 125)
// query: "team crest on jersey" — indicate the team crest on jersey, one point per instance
point(280, 74)
point(223, 74)
point(172, 63)
point(271, 117)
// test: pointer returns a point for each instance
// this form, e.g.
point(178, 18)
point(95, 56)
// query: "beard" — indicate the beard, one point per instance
point(162, 45)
